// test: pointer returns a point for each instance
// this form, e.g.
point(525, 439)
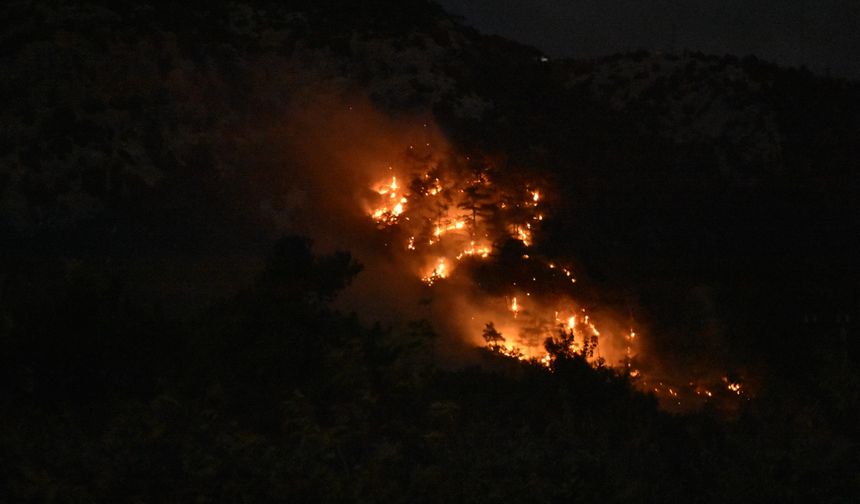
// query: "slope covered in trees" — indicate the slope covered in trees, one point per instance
point(271, 395)
point(160, 341)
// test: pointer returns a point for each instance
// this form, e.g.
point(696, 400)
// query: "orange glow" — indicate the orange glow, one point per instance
point(524, 235)
point(452, 219)
point(482, 251)
point(439, 271)
point(392, 206)
point(442, 228)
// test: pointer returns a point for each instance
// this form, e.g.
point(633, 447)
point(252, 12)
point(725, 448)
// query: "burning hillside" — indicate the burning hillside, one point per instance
point(455, 239)
point(447, 220)
point(358, 251)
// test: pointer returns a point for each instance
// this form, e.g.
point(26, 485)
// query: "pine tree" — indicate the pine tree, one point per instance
point(492, 336)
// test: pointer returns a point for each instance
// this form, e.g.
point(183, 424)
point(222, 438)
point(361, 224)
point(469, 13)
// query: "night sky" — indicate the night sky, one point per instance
point(823, 35)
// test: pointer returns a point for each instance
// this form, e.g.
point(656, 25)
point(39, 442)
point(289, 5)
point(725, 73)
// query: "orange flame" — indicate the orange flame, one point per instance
point(390, 211)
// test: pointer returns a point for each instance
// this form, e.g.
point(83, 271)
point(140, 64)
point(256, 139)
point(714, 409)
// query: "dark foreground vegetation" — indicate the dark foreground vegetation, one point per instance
point(271, 395)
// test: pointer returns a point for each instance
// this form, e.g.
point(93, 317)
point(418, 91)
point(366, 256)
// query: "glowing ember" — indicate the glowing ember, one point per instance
point(483, 208)
point(448, 217)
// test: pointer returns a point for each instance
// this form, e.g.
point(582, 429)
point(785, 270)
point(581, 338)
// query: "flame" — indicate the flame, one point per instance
point(523, 234)
point(546, 360)
point(482, 251)
point(444, 227)
point(393, 208)
point(486, 213)
point(451, 238)
point(435, 189)
point(439, 271)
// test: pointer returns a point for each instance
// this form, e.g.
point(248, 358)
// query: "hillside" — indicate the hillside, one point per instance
point(162, 339)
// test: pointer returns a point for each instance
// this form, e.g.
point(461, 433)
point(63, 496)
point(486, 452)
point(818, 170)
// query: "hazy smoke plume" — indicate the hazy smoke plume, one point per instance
point(443, 236)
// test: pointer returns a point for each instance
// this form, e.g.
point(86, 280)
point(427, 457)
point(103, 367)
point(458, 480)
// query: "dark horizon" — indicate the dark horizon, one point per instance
point(821, 36)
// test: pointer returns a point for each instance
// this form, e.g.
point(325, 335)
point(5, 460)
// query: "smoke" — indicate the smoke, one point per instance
point(453, 252)
point(335, 149)
point(443, 236)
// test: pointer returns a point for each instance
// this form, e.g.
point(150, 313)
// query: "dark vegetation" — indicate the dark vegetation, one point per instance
point(270, 395)
point(160, 343)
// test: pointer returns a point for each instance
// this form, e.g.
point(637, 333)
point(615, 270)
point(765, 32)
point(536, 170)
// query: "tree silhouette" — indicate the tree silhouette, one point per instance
point(492, 336)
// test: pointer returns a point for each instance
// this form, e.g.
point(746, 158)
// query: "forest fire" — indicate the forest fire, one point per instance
point(455, 218)
point(449, 219)
point(337, 251)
